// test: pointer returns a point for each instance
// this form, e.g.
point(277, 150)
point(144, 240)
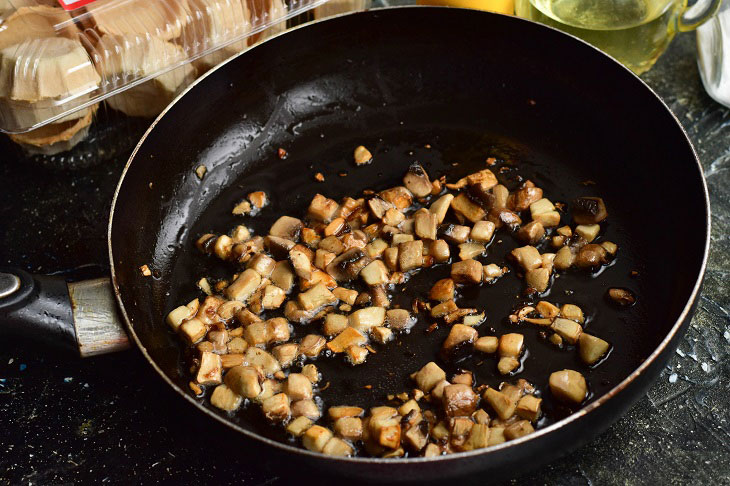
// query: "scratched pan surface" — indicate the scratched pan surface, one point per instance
point(470, 85)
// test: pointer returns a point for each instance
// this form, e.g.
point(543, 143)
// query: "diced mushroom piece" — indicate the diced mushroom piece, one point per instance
point(379, 207)
point(258, 357)
point(278, 247)
point(244, 380)
point(621, 297)
point(399, 238)
point(322, 258)
point(337, 447)
point(237, 345)
point(286, 354)
point(276, 408)
point(503, 405)
point(432, 450)
point(347, 296)
point(444, 308)
point(416, 180)
point(312, 345)
point(455, 233)
point(465, 207)
point(468, 251)
point(589, 210)
point(222, 247)
point(244, 286)
point(399, 319)
point(176, 316)
point(316, 297)
point(283, 276)
point(311, 372)
point(564, 258)
point(244, 207)
point(348, 265)
point(193, 330)
point(298, 387)
point(334, 324)
point(301, 263)
point(231, 360)
point(286, 227)
point(262, 264)
point(426, 224)
point(272, 297)
point(459, 400)
point(375, 273)
point(482, 231)
point(591, 256)
point(526, 195)
point(381, 334)
point(316, 437)
point(546, 309)
point(492, 272)
point(538, 279)
point(518, 429)
point(256, 334)
point(568, 386)
point(441, 206)
point(460, 429)
point(349, 428)
point(429, 376)
point(511, 345)
point(572, 312)
point(532, 232)
point(322, 208)
point(410, 255)
point(480, 417)
point(467, 272)
point(390, 257)
point(507, 364)
point(556, 340)
point(299, 426)
point(376, 248)
point(504, 217)
point(398, 196)
point(588, 232)
point(591, 348)
point(356, 354)
point(487, 344)
point(393, 217)
point(567, 329)
point(459, 335)
point(478, 437)
point(228, 310)
point(610, 247)
point(416, 438)
point(496, 436)
point(442, 290)
point(529, 408)
point(527, 257)
point(365, 319)
point(439, 250)
point(210, 371)
point(348, 337)
point(440, 432)
point(225, 399)
point(474, 319)
point(219, 340)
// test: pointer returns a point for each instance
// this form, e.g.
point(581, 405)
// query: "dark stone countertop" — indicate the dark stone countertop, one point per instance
point(109, 419)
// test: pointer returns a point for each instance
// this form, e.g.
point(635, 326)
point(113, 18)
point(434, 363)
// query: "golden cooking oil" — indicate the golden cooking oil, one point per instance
point(635, 32)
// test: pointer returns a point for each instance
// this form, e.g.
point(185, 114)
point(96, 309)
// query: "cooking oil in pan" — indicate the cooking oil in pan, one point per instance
point(635, 32)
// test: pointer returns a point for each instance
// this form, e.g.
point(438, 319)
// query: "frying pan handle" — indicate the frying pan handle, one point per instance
point(79, 317)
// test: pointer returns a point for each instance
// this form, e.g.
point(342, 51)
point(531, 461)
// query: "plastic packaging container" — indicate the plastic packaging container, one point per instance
point(60, 58)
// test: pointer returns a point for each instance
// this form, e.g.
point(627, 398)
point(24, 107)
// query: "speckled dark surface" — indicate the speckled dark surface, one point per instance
point(110, 419)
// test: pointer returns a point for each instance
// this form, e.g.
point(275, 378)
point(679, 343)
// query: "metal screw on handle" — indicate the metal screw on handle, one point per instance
point(9, 284)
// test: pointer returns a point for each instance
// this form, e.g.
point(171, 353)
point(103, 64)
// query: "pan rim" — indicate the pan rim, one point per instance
point(578, 415)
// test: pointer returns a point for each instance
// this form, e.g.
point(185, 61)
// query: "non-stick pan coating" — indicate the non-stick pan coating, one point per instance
point(469, 84)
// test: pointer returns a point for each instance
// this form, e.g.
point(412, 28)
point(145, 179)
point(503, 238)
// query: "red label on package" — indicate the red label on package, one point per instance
point(74, 4)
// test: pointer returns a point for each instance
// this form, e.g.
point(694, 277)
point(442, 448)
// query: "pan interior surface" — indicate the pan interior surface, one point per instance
point(469, 85)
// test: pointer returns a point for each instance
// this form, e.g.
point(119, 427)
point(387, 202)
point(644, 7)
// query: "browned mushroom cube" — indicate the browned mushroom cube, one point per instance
point(375, 273)
point(482, 231)
point(589, 210)
point(486, 344)
point(567, 329)
point(568, 386)
point(465, 207)
point(298, 387)
point(529, 408)
point(322, 208)
point(548, 310)
point(591, 348)
point(526, 195)
point(381, 334)
point(286, 227)
point(527, 257)
point(312, 345)
point(503, 405)
point(349, 428)
point(389, 436)
point(337, 447)
point(410, 255)
point(316, 297)
point(272, 297)
point(256, 334)
point(348, 337)
point(283, 276)
point(301, 263)
point(531, 233)
point(478, 438)
point(334, 324)
point(244, 286)
point(299, 426)
point(429, 376)
point(193, 330)
point(244, 380)
point(316, 437)
point(470, 250)
point(507, 364)
point(379, 207)
point(286, 354)
point(399, 319)
point(467, 271)
point(459, 335)
point(511, 344)
point(416, 438)
point(425, 224)
point(225, 399)
point(416, 180)
point(210, 369)
point(365, 319)
point(538, 279)
point(347, 296)
point(518, 429)
point(441, 206)
point(398, 196)
point(356, 354)
point(176, 317)
point(572, 312)
point(442, 290)
point(459, 400)
point(276, 408)
point(263, 264)
point(591, 256)
point(258, 357)
point(237, 345)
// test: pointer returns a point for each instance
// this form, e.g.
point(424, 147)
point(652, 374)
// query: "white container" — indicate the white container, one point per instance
point(713, 49)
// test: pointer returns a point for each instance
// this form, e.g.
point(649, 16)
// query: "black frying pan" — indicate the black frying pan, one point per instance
point(470, 84)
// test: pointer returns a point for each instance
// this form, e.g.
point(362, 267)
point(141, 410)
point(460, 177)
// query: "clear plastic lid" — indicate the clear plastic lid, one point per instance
point(59, 58)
